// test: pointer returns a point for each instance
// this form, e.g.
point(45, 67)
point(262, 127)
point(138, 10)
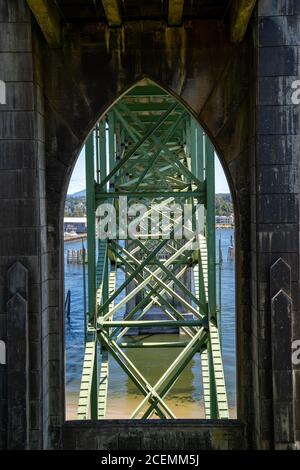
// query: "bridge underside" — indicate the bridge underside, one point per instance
point(161, 168)
point(63, 69)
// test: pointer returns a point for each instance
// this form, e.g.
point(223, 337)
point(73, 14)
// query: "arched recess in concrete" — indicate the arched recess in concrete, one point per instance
point(84, 79)
point(149, 81)
point(237, 93)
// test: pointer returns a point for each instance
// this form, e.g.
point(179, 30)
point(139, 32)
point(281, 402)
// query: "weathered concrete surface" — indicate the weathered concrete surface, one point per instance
point(48, 19)
point(178, 435)
point(241, 12)
point(281, 339)
point(240, 95)
point(275, 212)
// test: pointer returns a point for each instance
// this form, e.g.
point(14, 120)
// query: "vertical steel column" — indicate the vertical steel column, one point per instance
point(91, 222)
point(91, 244)
point(193, 145)
point(220, 290)
point(84, 290)
point(211, 228)
point(199, 140)
point(111, 142)
point(103, 155)
point(200, 137)
point(135, 161)
point(211, 248)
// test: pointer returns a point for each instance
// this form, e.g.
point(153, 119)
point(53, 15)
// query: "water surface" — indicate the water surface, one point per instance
point(186, 397)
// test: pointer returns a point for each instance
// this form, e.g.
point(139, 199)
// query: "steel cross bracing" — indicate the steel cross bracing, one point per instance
point(149, 149)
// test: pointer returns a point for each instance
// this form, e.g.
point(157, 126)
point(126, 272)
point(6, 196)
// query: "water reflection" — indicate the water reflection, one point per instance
point(186, 397)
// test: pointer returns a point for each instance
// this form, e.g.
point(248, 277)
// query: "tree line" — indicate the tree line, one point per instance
point(76, 206)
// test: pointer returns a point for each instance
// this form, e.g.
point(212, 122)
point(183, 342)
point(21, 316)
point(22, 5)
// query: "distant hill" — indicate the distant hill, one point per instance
point(224, 204)
point(226, 196)
point(79, 194)
point(76, 204)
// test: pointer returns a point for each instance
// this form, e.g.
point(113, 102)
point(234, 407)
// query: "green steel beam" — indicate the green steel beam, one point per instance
point(172, 380)
point(85, 406)
point(147, 91)
point(158, 156)
point(154, 275)
point(91, 221)
point(136, 376)
point(159, 292)
point(103, 384)
point(182, 358)
point(100, 196)
point(145, 345)
point(156, 296)
point(174, 278)
point(139, 144)
point(104, 365)
point(171, 156)
point(211, 229)
point(137, 271)
point(145, 323)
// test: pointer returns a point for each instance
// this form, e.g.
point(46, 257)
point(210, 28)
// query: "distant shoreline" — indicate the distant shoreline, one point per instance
point(75, 238)
point(224, 226)
point(84, 236)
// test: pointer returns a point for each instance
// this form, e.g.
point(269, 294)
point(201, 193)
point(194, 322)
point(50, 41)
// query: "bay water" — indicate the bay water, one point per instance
point(186, 397)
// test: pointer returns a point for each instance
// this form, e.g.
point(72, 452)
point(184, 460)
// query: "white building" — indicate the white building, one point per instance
point(224, 220)
point(75, 224)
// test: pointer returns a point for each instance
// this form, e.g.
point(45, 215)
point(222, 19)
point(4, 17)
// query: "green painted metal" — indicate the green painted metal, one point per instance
point(183, 358)
point(100, 196)
point(143, 323)
point(85, 321)
point(157, 298)
point(211, 248)
point(104, 366)
point(86, 405)
point(138, 145)
point(91, 221)
point(220, 263)
point(145, 345)
point(149, 149)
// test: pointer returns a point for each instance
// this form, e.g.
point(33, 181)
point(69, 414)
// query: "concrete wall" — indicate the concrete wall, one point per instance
point(275, 214)
point(179, 435)
point(237, 94)
point(200, 67)
point(22, 204)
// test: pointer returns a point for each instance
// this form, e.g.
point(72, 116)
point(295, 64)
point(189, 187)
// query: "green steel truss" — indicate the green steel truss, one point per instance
point(151, 150)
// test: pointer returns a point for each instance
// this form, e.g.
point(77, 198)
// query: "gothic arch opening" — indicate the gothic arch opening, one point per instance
point(150, 318)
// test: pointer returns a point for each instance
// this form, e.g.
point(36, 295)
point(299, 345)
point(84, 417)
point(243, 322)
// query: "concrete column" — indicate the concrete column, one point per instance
point(275, 194)
point(17, 358)
point(22, 200)
point(281, 337)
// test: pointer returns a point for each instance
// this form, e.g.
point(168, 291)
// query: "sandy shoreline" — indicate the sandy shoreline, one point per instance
point(122, 407)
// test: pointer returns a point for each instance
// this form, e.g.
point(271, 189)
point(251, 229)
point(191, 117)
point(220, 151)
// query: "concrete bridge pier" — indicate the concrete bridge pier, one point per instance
point(60, 77)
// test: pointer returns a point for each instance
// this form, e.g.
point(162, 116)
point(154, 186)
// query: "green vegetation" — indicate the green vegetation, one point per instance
point(224, 204)
point(76, 206)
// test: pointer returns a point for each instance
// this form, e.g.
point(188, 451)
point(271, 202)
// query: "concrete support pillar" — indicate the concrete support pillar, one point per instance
point(281, 337)
point(275, 206)
point(22, 227)
point(17, 358)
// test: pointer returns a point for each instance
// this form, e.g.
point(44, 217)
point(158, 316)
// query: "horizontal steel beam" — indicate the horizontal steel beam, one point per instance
point(145, 323)
point(144, 345)
point(100, 195)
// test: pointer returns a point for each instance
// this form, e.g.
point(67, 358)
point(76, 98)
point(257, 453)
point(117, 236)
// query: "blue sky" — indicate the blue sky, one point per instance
point(77, 182)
